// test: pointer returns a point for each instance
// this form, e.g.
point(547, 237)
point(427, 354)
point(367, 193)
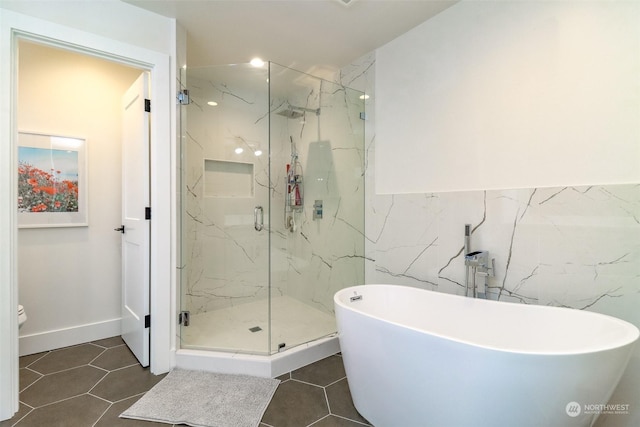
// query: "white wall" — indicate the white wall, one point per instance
point(112, 19)
point(494, 95)
point(70, 278)
point(119, 31)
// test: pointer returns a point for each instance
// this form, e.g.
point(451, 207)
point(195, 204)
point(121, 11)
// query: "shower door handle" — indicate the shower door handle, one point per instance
point(258, 218)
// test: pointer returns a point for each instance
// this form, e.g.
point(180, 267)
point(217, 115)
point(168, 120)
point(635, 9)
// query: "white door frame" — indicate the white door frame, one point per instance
point(14, 26)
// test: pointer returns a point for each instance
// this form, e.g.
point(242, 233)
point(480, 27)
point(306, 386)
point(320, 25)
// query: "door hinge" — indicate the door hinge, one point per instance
point(184, 318)
point(147, 321)
point(147, 213)
point(147, 105)
point(183, 97)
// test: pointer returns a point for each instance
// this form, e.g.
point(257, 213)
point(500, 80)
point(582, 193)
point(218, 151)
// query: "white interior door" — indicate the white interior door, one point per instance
point(135, 225)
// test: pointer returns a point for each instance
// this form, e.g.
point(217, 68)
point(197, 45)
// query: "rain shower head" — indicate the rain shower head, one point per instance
point(290, 114)
point(293, 112)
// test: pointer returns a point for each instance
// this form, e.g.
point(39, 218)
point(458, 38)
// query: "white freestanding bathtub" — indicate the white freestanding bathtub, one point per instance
point(418, 358)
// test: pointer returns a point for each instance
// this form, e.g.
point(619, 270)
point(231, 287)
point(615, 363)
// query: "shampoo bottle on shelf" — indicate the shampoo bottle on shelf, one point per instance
point(298, 199)
point(292, 196)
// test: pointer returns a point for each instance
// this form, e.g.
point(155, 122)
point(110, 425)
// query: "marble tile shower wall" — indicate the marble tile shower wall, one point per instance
point(321, 256)
point(567, 246)
point(226, 262)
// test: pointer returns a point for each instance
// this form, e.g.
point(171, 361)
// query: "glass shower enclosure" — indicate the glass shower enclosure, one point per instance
point(271, 206)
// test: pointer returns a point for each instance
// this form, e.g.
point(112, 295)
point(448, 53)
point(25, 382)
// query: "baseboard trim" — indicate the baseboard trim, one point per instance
point(51, 340)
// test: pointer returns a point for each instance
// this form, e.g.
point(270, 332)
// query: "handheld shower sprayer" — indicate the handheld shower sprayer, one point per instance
point(467, 238)
point(467, 245)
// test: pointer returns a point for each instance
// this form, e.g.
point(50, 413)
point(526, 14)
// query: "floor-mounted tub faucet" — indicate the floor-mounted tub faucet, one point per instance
point(477, 263)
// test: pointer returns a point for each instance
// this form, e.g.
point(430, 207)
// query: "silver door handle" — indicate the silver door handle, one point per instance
point(258, 224)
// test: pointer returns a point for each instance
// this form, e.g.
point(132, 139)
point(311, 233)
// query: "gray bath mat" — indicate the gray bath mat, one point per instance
point(205, 399)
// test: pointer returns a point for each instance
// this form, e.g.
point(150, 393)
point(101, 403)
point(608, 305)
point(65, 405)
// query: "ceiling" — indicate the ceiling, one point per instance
point(316, 36)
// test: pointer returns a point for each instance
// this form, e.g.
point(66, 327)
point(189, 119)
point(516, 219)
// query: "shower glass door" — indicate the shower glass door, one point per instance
point(317, 202)
point(225, 209)
point(272, 206)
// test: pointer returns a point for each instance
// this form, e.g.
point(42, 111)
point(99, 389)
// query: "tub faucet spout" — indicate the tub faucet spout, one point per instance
point(476, 259)
point(477, 264)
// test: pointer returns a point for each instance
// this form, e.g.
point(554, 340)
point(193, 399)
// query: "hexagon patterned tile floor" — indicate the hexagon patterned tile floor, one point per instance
point(91, 384)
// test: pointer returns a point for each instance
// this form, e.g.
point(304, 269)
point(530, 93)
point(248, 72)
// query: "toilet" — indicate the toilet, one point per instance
point(22, 316)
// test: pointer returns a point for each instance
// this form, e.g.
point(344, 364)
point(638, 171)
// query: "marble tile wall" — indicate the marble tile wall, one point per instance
point(572, 246)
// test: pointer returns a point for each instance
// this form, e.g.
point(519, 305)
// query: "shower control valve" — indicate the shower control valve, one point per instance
point(317, 209)
point(487, 271)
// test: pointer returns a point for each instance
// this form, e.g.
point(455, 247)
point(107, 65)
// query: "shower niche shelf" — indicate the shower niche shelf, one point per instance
point(224, 178)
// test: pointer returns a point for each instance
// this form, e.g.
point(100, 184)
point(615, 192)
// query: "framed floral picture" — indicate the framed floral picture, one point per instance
point(52, 181)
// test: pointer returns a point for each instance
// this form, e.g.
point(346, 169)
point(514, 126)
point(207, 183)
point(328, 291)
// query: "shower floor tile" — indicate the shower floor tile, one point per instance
point(231, 328)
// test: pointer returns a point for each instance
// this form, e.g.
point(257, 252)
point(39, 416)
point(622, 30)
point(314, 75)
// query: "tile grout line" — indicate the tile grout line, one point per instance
point(17, 422)
point(100, 398)
point(326, 399)
point(37, 379)
point(43, 355)
point(58, 401)
point(135, 395)
point(103, 413)
point(317, 421)
point(31, 409)
point(336, 381)
point(305, 382)
point(100, 345)
point(100, 354)
point(352, 420)
point(66, 370)
point(98, 382)
point(124, 367)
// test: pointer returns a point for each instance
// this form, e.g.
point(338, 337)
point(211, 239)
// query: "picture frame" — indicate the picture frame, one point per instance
point(52, 181)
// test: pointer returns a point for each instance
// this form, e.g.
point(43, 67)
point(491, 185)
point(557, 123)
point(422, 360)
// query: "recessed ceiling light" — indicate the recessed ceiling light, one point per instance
point(364, 96)
point(239, 150)
point(212, 103)
point(258, 153)
point(257, 62)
